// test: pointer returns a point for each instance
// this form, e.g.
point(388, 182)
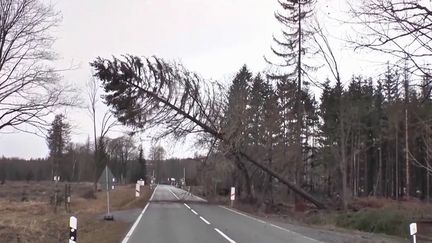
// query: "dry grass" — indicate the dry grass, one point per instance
point(379, 215)
point(34, 220)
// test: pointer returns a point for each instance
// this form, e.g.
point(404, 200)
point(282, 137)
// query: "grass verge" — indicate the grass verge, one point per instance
point(34, 220)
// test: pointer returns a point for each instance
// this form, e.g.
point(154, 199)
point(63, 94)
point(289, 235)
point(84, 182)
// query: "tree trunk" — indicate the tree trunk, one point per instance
point(396, 166)
point(427, 175)
point(299, 153)
point(343, 168)
point(248, 185)
point(406, 156)
point(378, 185)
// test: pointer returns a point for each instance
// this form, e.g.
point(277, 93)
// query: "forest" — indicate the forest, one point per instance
point(329, 140)
point(378, 126)
point(298, 131)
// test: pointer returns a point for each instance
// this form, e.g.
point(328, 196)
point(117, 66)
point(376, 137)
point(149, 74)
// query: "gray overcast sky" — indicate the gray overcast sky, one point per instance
point(213, 38)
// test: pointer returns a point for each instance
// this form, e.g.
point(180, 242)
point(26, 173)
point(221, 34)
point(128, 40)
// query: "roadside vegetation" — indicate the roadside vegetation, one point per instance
point(28, 216)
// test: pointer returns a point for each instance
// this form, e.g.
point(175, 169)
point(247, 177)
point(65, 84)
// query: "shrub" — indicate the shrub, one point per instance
point(89, 194)
point(377, 221)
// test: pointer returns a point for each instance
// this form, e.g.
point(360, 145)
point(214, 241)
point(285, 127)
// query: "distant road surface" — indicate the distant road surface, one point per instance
point(175, 216)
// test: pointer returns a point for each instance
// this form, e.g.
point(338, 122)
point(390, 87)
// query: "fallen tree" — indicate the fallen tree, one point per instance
point(152, 92)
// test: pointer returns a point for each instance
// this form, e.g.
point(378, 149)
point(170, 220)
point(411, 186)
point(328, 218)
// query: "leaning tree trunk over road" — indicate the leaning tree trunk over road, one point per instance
point(154, 92)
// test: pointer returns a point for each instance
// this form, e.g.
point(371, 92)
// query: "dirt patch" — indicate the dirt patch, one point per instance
point(35, 221)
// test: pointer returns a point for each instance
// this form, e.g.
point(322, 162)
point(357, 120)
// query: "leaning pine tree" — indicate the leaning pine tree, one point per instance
point(150, 91)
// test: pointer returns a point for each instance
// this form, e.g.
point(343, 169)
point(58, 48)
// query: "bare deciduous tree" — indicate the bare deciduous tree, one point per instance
point(401, 28)
point(107, 124)
point(29, 87)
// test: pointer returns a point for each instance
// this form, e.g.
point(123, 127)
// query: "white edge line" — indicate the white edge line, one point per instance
point(173, 194)
point(264, 222)
point(151, 198)
point(199, 198)
point(193, 211)
point(187, 206)
point(205, 221)
point(245, 215)
point(224, 235)
point(129, 234)
point(281, 228)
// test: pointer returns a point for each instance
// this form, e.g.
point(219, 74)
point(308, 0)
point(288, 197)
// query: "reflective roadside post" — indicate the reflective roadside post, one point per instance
point(413, 231)
point(73, 228)
point(232, 196)
point(137, 189)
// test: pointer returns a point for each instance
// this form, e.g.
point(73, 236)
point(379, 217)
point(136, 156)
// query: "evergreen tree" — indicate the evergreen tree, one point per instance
point(293, 50)
point(255, 111)
point(236, 111)
point(292, 46)
point(330, 112)
point(235, 123)
point(57, 140)
point(390, 84)
point(271, 134)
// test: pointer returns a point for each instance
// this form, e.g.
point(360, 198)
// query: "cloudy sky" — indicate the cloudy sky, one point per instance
point(212, 38)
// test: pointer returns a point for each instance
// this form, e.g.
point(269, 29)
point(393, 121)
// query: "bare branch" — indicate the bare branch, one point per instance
point(29, 87)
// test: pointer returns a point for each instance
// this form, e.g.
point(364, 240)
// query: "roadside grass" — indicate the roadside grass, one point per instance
point(34, 220)
point(370, 214)
point(386, 220)
point(376, 215)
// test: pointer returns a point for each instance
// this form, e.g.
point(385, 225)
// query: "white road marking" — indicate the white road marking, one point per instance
point(151, 198)
point(187, 206)
point(205, 221)
point(292, 232)
point(201, 199)
point(129, 234)
point(193, 211)
point(174, 194)
point(242, 214)
point(190, 195)
point(224, 235)
point(273, 225)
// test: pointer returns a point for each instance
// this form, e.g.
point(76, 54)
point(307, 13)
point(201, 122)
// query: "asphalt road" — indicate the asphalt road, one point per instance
point(168, 219)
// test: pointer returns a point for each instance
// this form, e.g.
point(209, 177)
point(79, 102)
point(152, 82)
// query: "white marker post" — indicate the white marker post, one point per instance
point(137, 189)
point(413, 231)
point(141, 182)
point(73, 228)
point(232, 196)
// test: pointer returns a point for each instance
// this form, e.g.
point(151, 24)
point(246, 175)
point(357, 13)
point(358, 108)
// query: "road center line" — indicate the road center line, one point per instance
point(224, 235)
point(187, 206)
point(205, 221)
point(129, 234)
point(193, 211)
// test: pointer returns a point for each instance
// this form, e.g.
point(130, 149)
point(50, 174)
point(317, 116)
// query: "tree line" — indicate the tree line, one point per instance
point(76, 164)
point(360, 137)
point(375, 130)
